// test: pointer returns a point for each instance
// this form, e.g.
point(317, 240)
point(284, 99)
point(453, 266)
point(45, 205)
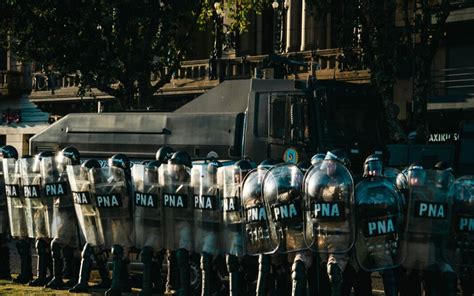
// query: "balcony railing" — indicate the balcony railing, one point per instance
point(194, 75)
point(13, 83)
point(453, 82)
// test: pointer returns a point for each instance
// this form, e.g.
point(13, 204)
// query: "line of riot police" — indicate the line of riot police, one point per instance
point(276, 229)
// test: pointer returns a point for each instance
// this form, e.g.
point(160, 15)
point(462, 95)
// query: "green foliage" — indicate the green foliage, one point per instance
point(120, 42)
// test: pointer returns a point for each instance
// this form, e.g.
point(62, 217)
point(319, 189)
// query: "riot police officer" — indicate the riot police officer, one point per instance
point(13, 216)
point(89, 220)
point(148, 223)
point(380, 239)
point(232, 228)
point(117, 183)
point(39, 210)
point(164, 154)
point(65, 242)
point(178, 217)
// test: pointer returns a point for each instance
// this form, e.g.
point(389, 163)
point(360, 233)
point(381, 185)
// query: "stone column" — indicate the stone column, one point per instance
point(308, 28)
point(293, 25)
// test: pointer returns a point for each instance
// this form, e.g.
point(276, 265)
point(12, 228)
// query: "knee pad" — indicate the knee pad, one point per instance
point(41, 246)
point(147, 254)
point(117, 251)
point(87, 251)
point(56, 249)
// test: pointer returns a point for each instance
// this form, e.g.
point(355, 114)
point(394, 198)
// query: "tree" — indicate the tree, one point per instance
point(116, 46)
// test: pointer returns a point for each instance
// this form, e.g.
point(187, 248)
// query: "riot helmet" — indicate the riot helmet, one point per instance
point(164, 154)
point(37, 160)
point(68, 156)
point(339, 155)
point(444, 166)
point(212, 168)
point(373, 166)
point(446, 174)
point(181, 158)
point(8, 152)
point(151, 171)
point(264, 166)
point(318, 157)
point(242, 168)
point(91, 164)
point(304, 165)
point(119, 161)
point(416, 175)
point(402, 179)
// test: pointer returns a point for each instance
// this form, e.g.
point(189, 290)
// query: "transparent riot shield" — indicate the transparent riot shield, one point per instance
point(427, 219)
point(232, 231)
point(329, 222)
point(391, 174)
point(460, 245)
point(207, 213)
point(4, 223)
point(56, 187)
point(379, 215)
point(254, 215)
point(111, 196)
point(15, 199)
point(177, 206)
point(39, 208)
point(284, 201)
point(87, 213)
point(147, 211)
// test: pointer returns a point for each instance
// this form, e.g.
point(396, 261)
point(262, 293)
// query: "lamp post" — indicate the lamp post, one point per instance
point(279, 7)
point(216, 54)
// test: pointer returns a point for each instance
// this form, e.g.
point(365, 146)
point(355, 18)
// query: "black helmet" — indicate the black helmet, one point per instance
point(91, 164)
point(373, 165)
point(317, 158)
point(339, 155)
point(164, 154)
point(119, 161)
point(267, 163)
point(213, 165)
point(70, 153)
point(181, 158)
point(154, 164)
point(304, 165)
point(38, 157)
point(8, 152)
point(244, 165)
point(416, 174)
point(444, 166)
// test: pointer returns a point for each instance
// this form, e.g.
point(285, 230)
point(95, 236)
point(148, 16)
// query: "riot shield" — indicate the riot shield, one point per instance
point(39, 208)
point(427, 219)
point(284, 201)
point(391, 174)
point(15, 200)
point(329, 222)
point(147, 212)
point(206, 204)
point(254, 215)
point(379, 215)
point(177, 207)
point(4, 223)
point(87, 213)
point(460, 246)
point(111, 196)
point(232, 228)
point(56, 187)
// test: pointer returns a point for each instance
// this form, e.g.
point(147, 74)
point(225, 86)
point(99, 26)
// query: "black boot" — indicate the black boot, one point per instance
point(71, 266)
point(450, 281)
point(281, 271)
point(264, 264)
point(86, 266)
point(156, 277)
point(182, 260)
point(115, 289)
point(4, 258)
point(42, 279)
point(335, 278)
point(234, 276)
point(101, 262)
point(26, 273)
point(172, 278)
point(206, 272)
point(390, 284)
point(299, 279)
point(57, 281)
point(147, 259)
